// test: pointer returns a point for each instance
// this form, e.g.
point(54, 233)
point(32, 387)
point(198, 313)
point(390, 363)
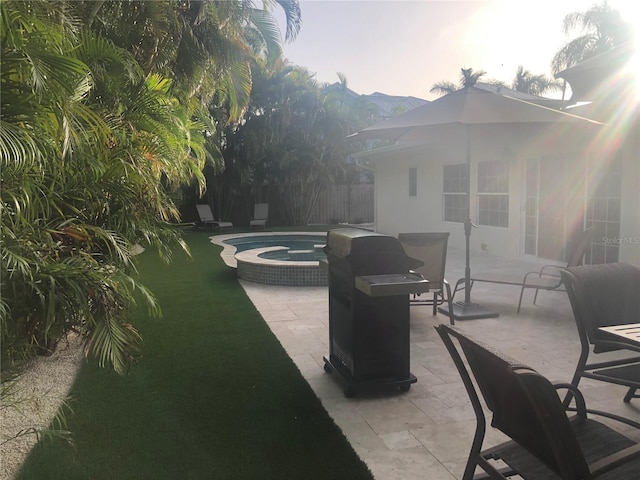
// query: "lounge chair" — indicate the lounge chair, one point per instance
point(260, 215)
point(547, 278)
point(206, 218)
point(546, 442)
point(431, 249)
point(606, 295)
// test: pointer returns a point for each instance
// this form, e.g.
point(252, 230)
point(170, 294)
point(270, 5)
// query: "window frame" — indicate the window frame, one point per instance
point(493, 189)
point(455, 198)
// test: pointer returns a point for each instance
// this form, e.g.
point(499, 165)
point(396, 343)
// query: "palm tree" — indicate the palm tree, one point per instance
point(468, 78)
point(602, 28)
point(526, 82)
point(71, 207)
point(205, 46)
point(292, 139)
point(96, 132)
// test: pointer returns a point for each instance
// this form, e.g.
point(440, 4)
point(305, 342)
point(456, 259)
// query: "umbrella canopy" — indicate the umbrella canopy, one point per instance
point(449, 120)
point(469, 106)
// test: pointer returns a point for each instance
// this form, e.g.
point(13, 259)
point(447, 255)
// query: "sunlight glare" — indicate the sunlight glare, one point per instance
point(630, 12)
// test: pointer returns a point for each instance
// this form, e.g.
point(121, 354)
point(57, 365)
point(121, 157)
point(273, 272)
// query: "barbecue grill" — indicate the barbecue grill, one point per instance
point(369, 287)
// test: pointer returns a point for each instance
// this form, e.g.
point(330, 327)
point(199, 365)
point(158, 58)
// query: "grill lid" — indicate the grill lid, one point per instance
point(368, 253)
point(343, 242)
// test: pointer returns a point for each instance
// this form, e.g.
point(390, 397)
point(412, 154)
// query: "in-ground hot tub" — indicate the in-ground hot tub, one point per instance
point(290, 259)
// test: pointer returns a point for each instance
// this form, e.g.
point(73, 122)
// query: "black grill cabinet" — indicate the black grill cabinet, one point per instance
point(369, 287)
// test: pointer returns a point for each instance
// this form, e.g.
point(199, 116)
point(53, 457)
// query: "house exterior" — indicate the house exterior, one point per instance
point(606, 87)
point(533, 187)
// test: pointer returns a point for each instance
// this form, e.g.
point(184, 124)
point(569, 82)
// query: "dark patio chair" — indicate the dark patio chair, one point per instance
point(605, 295)
point(547, 440)
point(547, 278)
point(431, 249)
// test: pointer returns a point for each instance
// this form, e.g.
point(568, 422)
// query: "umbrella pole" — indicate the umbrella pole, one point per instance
point(468, 310)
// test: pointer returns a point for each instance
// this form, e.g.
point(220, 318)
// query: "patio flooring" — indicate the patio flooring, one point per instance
point(426, 432)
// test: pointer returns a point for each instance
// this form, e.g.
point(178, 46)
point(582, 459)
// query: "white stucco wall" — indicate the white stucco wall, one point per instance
point(397, 212)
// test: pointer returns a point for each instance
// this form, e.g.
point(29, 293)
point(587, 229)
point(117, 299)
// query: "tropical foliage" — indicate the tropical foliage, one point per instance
point(292, 139)
point(104, 114)
point(468, 78)
point(524, 81)
point(533, 84)
point(599, 28)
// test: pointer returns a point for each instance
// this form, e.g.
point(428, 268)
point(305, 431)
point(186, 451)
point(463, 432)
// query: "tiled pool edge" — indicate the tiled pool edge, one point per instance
point(279, 272)
point(252, 268)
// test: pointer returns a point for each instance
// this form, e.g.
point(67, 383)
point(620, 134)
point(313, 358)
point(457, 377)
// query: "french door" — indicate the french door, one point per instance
point(565, 195)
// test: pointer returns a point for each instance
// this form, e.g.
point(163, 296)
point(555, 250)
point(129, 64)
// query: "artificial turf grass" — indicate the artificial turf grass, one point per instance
point(214, 396)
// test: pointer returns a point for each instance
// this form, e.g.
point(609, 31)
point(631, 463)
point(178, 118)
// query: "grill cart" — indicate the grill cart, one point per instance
point(369, 287)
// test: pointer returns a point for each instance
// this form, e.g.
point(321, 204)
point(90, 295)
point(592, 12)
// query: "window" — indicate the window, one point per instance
point(604, 205)
point(493, 194)
point(454, 192)
point(413, 182)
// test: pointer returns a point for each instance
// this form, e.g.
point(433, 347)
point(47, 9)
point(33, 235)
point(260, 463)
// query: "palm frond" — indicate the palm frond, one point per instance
point(17, 145)
point(443, 88)
point(114, 345)
point(267, 27)
point(293, 16)
point(102, 55)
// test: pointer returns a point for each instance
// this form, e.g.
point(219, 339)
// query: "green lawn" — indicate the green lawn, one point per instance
point(214, 396)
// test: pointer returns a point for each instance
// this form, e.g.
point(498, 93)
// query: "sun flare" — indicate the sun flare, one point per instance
point(630, 12)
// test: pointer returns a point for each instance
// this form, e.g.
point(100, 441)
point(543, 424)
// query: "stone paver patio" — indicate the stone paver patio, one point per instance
point(426, 432)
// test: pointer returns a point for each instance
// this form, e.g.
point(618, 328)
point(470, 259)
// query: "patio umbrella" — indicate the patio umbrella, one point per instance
point(453, 117)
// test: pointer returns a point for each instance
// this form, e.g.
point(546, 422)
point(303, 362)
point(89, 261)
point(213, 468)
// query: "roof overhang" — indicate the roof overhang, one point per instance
point(604, 70)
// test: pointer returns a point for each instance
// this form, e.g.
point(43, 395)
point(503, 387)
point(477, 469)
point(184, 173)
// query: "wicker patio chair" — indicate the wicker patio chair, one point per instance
point(605, 295)
point(546, 441)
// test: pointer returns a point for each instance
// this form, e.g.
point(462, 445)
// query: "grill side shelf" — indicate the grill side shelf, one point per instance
point(391, 284)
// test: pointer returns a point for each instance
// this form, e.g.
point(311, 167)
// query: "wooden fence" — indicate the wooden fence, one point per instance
point(337, 204)
point(345, 203)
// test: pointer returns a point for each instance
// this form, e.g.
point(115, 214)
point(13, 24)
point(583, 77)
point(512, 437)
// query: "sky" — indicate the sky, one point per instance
point(400, 47)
